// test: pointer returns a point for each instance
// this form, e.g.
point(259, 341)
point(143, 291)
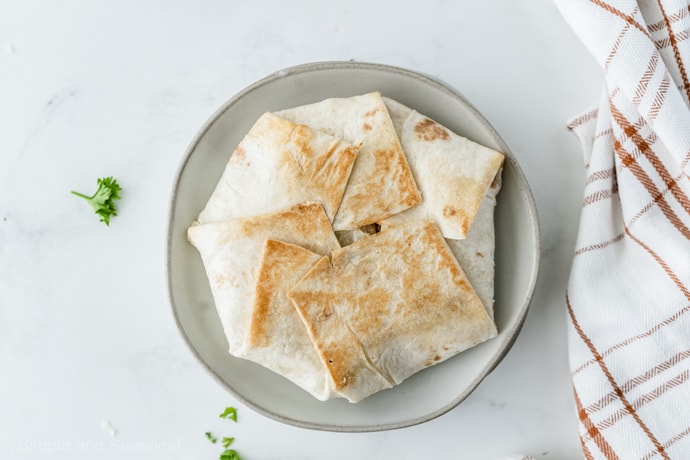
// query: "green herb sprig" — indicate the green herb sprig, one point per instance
point(229, 412)
point(103, 201)
point(229, 454)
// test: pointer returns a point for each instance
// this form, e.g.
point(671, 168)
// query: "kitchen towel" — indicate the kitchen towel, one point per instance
point(628, 297)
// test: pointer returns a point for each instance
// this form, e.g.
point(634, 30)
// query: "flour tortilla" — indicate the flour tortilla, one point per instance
point(453, 173)
point(381, 183)
point(387, 306)
point(276, 337)
point(278, 164)
point(231, 253)
point(476, 253)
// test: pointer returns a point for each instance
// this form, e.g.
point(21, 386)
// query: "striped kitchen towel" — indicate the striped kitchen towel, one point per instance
point(628, 297)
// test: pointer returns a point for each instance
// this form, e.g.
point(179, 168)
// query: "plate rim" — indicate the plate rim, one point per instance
point(511, 334)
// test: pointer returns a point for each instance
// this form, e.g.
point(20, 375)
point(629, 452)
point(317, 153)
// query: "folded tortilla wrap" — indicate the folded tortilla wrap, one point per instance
point(381, 183)
point(231, 253)
point(387, 306)
point(279, 164)
point(452, 172)
point(276, 337)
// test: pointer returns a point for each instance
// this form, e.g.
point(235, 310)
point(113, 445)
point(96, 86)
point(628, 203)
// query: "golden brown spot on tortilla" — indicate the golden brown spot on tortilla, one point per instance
point(479, 254)
point(366, 127)
point(429, 130)
point(449, 211)
point(465, 225)
point(464, 286)
point(371, 112)
point(437, 358)
point(374, 305)
point(238, 155)
point(423, 302)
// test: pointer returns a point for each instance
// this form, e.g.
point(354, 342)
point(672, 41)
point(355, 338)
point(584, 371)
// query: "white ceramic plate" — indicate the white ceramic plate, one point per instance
point(423, 396)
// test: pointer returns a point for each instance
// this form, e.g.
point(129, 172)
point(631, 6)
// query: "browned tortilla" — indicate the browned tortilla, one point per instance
point(280, 164)
point(453, 173)
point(231, 252)
point(387, 306)
point(276, 337)
point(381, 183)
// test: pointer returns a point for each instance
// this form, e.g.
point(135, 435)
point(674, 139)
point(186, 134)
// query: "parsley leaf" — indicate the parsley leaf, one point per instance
point(211, 438)
point(103, 201)
point(229, 412)
point(229, 454)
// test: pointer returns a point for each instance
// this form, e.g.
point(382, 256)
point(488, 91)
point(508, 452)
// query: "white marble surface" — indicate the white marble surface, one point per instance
point(96, 88)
